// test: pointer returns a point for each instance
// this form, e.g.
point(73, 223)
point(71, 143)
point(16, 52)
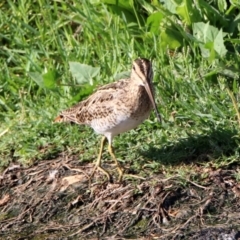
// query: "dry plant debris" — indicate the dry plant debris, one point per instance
point(55, 199)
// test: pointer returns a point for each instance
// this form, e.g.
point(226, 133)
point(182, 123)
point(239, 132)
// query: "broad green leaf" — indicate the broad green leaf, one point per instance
point(204, 32)
point(210, 33)
point(170, 39)
point(219, 44)
point(186, 11)
point(198, 31)
point(83, 73)
point(222, 5)
point(235, 2)
point(154, 21)
point(170, 6)
point(210, 54)
point(37, 78)
point(49, 79)
point(159, 24)
point(183, 12)
point(210, 40)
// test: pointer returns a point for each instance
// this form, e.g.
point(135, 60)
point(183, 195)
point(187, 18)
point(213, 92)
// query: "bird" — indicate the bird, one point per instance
point(116, 108)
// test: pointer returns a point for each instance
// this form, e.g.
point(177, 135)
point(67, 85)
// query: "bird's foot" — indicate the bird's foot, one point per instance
point(109, 177)
point(121, 172)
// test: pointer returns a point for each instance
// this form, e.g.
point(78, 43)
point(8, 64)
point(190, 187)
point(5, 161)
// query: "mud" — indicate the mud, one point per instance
point(56, 200)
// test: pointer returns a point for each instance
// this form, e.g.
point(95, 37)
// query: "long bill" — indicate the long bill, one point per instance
point(151, 96)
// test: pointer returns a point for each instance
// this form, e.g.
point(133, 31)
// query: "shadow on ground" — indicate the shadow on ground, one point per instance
point(197, 148)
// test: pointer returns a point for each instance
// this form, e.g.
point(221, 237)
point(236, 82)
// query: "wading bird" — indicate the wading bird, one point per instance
point(116, 108)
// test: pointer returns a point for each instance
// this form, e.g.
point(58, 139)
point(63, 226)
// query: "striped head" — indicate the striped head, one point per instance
point(142, 73)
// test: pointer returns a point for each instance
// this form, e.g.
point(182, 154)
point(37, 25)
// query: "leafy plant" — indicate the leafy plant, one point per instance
point(51, 53)
point(181, 23)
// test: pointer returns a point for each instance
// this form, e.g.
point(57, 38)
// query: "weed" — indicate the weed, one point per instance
point(196, 79)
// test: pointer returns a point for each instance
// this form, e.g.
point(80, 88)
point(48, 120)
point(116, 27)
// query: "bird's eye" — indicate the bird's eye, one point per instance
point(133, 67)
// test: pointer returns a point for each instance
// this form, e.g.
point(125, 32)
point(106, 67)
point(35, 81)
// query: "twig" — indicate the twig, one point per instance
point(3, 132)
point(197, 185)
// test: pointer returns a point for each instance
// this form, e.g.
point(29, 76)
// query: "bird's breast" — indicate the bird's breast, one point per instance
point(117, 124)
point(127, 114)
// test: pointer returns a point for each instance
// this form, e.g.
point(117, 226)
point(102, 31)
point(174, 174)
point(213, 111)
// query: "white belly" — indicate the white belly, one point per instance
point(125, 126)
point(117, 126)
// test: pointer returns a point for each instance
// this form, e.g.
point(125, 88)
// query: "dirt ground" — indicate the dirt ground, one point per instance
point(54, 199)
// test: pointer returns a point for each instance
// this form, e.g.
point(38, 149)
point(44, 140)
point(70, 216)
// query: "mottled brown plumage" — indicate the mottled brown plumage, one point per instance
point(116, 107)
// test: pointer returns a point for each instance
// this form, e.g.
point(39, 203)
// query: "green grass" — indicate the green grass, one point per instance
point(200, 120)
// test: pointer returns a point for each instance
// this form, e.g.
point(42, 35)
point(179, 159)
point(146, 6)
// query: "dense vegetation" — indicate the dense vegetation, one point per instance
point(54, 54)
